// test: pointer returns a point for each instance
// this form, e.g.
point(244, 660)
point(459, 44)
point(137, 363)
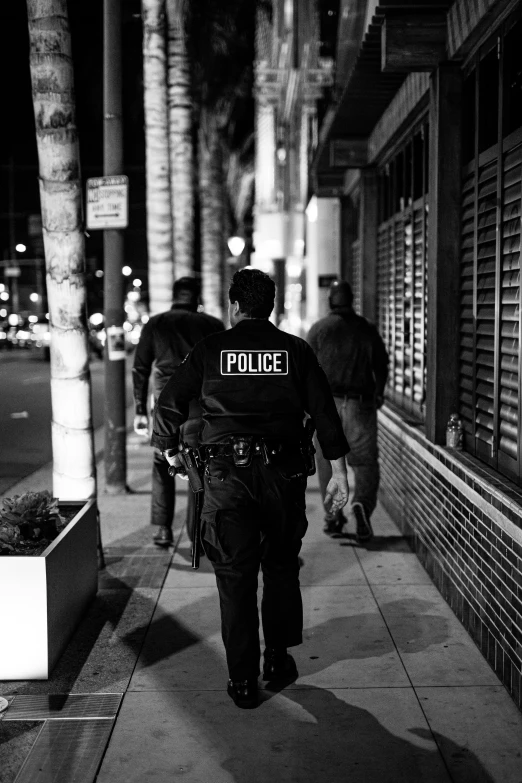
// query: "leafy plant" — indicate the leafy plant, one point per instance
point(29, 522)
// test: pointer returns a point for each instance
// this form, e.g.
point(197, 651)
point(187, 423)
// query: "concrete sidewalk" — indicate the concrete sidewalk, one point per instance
point(391, 687)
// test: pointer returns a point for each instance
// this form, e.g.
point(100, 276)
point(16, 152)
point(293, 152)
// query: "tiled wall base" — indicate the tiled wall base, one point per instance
point(466, 528)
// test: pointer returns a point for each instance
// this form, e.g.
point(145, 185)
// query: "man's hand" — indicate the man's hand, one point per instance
point(337, 491)
point(173, 459)
point(141, 426)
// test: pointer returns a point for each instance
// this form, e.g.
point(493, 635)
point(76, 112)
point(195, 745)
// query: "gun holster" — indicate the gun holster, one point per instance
point(242, 448)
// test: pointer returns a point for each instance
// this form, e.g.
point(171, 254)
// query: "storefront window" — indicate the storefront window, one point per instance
point(513, 79)
point(401, 271)
point(490, 373)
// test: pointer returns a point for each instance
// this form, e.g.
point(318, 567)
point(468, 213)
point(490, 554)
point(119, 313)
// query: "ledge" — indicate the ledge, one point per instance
point(496, 496)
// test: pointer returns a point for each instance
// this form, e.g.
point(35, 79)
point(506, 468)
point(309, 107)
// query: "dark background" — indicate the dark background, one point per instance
point(19, 197)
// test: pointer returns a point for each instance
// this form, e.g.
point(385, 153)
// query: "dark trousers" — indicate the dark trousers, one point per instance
point(254, 518)
point(359, 420)
point(163, 500)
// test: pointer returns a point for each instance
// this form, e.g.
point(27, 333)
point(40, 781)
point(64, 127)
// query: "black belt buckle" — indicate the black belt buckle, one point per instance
point(242, 451)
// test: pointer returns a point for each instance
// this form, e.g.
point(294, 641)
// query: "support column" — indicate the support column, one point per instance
point(368, 216)
point(443, 249)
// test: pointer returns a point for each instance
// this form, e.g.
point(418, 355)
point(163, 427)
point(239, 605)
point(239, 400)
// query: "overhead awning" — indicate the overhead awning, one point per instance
point(402, 36)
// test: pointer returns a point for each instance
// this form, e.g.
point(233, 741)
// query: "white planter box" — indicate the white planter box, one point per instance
point(42, 598)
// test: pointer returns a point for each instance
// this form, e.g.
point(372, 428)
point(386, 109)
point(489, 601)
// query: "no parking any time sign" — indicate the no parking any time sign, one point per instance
point(108, 202)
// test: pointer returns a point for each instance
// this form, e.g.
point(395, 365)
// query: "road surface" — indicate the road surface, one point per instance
point(25, 412)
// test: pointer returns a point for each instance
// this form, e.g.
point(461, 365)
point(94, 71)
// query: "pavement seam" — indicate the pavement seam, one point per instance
point(412, 686)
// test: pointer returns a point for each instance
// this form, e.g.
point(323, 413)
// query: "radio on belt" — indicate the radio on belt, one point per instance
point(254, 362)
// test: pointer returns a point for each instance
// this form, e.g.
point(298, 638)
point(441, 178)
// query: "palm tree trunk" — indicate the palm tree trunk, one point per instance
point(159, 208)
point(211, 198)
point(182, 165)
point(74, 474)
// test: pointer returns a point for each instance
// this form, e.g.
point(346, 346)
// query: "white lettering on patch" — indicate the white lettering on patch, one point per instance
point(254, 362)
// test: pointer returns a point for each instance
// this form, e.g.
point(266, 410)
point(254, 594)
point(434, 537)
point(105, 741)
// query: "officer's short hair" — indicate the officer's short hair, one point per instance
point(254, 291)
point(187, 285)
point(341, 294)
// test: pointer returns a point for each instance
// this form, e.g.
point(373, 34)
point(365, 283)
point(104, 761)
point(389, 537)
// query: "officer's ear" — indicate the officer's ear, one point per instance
point(234, 309)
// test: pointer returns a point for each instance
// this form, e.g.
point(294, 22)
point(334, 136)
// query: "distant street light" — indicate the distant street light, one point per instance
point(136, 282)
point(20, 248)
point(4, 296)
point(126, 270)
point(99, 273)
point(236, 245)
point(34, 297)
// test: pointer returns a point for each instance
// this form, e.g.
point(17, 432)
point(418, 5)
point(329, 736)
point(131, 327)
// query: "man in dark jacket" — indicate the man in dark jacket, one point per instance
point(255, 384)
point(165, 341)
point(352, 354)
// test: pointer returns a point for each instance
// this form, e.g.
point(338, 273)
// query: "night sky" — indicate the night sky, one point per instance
point(18, 134)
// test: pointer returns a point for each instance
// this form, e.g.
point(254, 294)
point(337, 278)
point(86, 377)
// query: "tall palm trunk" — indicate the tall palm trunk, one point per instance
point(182, 159)
point(211, 197)
point(60, 195)
point(159, 207)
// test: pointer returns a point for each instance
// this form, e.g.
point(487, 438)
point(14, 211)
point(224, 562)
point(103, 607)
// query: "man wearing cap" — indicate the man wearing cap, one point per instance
point(164, 342)
point(352, 354)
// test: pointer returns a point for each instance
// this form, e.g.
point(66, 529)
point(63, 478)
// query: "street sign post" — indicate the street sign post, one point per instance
point(107, 202)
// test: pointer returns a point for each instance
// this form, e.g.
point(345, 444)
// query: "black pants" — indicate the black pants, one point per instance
point(254, 517)
point(163, 499)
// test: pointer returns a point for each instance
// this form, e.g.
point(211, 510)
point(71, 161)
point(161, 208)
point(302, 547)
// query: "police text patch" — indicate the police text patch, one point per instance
point(254, 362)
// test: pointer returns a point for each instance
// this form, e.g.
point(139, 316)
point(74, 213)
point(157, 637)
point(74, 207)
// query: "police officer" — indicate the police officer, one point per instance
point(164, 342)
point(255, 384)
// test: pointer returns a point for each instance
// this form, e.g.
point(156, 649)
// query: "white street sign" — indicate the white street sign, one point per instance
point(108, 202)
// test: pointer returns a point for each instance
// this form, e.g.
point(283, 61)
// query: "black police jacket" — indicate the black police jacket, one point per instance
point(164, 342)
point(254, 380)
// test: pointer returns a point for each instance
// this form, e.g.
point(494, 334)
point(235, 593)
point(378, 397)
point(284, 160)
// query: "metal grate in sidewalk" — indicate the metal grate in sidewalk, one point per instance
point(64, 707)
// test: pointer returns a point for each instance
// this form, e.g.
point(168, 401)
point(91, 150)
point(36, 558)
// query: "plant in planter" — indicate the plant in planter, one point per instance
point(49, 570)
point(29, 522)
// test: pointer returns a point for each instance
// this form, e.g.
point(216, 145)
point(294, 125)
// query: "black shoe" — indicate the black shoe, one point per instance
point(279, 665)
point(244, 694)
point(364, 530)
point(163, 537)
point(333, 524)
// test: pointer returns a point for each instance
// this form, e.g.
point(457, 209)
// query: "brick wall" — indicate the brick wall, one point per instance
point(465, 524)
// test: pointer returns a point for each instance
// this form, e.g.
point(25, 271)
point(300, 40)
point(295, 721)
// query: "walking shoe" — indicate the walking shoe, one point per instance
point(244, 694)
point(279, 665)
point(333, 523)
point(364, 530)
point(163, 536)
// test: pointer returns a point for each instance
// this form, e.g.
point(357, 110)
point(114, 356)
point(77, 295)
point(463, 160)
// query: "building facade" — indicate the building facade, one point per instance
point(416, 157)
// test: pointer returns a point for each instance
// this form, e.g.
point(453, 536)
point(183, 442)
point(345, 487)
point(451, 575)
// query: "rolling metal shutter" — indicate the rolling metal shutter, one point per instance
point(510, 308)
point(485, 309)
point(467, 271)
point(356, 275)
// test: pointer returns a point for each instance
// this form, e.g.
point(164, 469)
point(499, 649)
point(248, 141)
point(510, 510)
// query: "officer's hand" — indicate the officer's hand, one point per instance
point(173, 459)
point(141, 426)
point(337, 492)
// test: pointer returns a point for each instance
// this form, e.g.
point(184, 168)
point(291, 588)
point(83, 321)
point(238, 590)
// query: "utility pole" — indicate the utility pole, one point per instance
point(115, 425)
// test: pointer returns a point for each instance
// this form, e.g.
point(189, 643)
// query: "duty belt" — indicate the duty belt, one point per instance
point(242, 449)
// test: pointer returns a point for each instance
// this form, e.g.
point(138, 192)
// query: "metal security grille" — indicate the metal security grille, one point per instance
point(402, 269)
point(490, 291)
point(510, 303)
point(402, 303)
point(467, 357)
point(490, 253)
point(356, 275)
